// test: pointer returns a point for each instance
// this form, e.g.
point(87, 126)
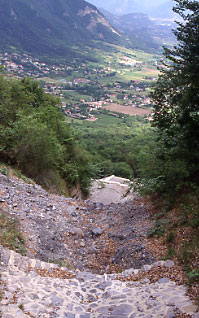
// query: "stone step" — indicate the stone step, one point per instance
point(87, 295)
point(13, 260)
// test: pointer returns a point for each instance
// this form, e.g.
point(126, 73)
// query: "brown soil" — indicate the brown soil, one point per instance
point(128, 110)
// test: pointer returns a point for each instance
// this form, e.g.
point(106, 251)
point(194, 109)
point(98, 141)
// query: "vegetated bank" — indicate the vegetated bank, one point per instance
point(36, 139)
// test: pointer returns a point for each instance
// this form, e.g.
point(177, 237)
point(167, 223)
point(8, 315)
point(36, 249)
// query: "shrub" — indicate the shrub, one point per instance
point(193, 276)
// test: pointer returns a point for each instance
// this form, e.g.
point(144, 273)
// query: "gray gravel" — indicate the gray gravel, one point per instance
point(78, 233)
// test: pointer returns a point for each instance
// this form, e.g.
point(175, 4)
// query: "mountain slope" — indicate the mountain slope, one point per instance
point(52, 26)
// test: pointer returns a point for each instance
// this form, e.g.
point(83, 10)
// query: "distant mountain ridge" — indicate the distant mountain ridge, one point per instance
point(142, 32)
point(52, 26)
point(154, 8)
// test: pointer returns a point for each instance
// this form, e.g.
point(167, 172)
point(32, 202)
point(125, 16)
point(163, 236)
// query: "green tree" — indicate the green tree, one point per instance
point(176, 99)
point(35, 137)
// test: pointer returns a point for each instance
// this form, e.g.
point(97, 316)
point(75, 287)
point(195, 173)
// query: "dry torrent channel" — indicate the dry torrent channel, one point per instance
point(81, 255)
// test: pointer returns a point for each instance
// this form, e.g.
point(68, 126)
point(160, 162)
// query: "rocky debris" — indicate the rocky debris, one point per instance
point(82, 234)
point(35, 289)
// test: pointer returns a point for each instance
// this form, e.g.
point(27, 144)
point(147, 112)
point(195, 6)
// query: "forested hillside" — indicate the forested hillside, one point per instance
point(35, 138)
point(121, 146)
point(142, 32)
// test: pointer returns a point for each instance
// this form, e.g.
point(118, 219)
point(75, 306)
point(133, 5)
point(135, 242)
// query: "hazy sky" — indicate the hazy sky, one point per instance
point(143, 2)
point(151, 7)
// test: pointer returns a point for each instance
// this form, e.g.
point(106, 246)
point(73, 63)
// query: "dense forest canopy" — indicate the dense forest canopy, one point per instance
point(121, 146)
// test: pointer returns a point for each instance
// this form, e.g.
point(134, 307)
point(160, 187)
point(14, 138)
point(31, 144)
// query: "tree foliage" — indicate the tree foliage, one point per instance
point(176, 100)
point(124, 148)
point(35, 137)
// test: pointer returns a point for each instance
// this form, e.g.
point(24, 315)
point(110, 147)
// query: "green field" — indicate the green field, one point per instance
point(114, 60)
point(103, 121)
point(74, 96)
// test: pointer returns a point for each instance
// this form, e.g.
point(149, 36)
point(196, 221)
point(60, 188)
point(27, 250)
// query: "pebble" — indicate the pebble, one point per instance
point(97, 231)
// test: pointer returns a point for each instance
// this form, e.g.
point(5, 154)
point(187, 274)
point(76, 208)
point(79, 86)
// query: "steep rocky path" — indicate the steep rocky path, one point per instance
point(90, 241)
point(82, 234)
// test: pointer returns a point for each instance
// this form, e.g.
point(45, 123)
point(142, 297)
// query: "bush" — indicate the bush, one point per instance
point(193, 276)
point(4, 171)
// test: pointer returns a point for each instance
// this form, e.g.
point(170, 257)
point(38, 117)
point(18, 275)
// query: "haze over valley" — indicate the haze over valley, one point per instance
point(154, 8)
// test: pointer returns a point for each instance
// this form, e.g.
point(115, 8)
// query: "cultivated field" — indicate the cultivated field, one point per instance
point(128, 110)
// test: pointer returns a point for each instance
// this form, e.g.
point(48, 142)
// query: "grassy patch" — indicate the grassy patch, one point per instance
point(103, 121)
point(21, 306)
point(10, 235)
point(4, 171)
point(19, 174)
point(9, 171)
point(61, 263)
point(170, 254)
point(170, 237)
point(193, 276)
